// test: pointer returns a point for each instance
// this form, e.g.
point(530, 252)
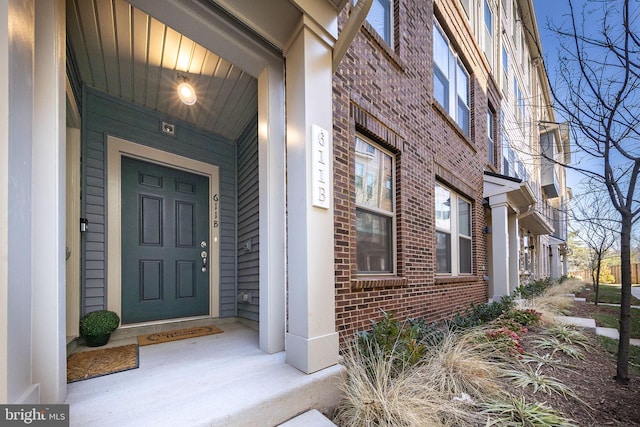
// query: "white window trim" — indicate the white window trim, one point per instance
point(455, 233)
point(491, 136)
point(488, 34)
point(394, 234)
point(454, 63)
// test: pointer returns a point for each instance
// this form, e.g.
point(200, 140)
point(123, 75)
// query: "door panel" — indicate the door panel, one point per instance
point(165, 215)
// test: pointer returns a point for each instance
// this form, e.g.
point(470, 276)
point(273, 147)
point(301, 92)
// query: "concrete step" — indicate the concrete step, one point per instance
point(311, 418)
point(580, 322)
point(221, 380)
point(608, 332)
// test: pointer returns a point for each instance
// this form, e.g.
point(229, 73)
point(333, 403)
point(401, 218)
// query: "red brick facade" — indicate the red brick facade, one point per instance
point(385, 93)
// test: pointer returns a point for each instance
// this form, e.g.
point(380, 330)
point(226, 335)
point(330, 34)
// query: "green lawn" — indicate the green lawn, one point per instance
point(610, 294)
point(634, 353)
point(610, 320)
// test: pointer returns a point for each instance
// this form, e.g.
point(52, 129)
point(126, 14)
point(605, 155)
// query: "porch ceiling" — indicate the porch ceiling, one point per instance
point(124, 52)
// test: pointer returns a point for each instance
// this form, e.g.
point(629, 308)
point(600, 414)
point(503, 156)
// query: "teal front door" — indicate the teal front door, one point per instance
point(165, 242)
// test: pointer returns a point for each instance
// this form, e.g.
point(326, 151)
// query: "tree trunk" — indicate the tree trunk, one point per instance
point(622, 374)
point(597, 281)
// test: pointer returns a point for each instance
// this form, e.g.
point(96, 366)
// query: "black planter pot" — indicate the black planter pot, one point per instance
point(97, 340)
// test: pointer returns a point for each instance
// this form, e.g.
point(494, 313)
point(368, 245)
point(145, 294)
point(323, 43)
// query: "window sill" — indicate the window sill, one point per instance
point(371, 283)
point(455, 279)
point(384, 46)
point(455, 126)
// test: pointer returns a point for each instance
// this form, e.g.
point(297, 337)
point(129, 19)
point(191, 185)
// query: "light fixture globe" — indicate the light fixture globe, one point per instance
point(186, 93)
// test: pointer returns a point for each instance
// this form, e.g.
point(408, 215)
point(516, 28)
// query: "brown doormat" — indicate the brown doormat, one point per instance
point(180, 334)
point(95, 363)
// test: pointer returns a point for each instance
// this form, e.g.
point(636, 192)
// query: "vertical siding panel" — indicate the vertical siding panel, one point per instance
point(248, 221)
point(104, 115)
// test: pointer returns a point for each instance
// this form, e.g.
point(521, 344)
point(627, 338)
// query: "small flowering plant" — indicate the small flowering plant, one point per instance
point(506, 339)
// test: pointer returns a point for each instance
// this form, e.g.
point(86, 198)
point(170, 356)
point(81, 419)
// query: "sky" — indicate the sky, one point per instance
point(556, 11)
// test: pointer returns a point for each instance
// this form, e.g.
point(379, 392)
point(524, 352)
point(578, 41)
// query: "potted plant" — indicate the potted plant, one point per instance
point(96, 327)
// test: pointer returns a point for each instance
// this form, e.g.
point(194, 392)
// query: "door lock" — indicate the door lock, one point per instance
point(204, 255)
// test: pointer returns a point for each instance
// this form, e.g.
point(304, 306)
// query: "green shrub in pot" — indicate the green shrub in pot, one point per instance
point(96, 327)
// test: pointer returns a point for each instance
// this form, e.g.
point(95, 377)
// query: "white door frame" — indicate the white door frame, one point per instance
point(116, 148)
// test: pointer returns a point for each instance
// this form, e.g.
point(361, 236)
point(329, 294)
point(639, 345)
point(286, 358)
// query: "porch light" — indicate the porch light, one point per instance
point(186, 92)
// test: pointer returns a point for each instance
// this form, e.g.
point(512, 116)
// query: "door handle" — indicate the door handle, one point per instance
point(204, 255)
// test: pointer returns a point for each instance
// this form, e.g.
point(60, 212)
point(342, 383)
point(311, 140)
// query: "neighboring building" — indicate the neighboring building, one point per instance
point(302, 192)
point(442, 117)
point(528, 219)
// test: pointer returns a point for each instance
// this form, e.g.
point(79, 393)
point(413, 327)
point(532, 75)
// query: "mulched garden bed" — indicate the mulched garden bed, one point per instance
point(606, 403)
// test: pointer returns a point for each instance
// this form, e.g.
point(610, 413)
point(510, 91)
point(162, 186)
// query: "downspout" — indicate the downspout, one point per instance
point(351, 28)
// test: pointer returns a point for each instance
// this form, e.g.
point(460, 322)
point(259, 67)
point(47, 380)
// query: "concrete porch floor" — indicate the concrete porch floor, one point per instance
point(216, 380)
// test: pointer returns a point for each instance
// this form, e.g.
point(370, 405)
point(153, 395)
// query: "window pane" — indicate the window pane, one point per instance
point(490, 132)
point(443, 252)
point(488, 17)
point(443, 208)
point(380, 18)
point(373, 242)
point(464, 218)
point(359, 176)
point(374, 177)
point(462, 87)
point(465, 255)
point(440, 51)
point(505, 60)
point(463, 117)
point(441, 89)
point(462, 80)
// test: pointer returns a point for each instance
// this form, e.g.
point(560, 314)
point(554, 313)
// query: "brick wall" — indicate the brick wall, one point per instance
point(385, 93)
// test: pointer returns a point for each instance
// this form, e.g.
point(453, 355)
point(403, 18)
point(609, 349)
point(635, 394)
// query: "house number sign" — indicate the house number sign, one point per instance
point(321, 167)
point(216, 221)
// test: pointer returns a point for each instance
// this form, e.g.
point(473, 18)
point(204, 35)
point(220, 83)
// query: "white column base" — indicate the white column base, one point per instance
point(312, 354)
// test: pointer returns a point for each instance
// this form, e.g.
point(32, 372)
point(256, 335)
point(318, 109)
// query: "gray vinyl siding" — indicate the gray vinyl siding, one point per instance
point(248, 221)
point(104, 115)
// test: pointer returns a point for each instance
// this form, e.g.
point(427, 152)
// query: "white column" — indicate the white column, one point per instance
point(48, 213)
point(16, 136)
point(514, 253)
point(4, 201)
point(499, 246)
point(555, 262)
point(271, 152)
point(311, 339)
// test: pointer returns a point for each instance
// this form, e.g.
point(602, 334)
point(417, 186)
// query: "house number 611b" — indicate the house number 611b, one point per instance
point(321, 166)
point(216, 222)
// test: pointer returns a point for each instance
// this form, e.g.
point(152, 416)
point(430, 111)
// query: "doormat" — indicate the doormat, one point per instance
point(96, 363)
point(180, 334)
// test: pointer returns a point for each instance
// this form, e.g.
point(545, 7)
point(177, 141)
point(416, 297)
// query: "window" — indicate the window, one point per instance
point(380, 17)
point(506, 148)
point(488, 33)
point(490, 136)
point(375, 206)
point(519, 102)
point(450, 81)
point(505, 70)
point(453, 232)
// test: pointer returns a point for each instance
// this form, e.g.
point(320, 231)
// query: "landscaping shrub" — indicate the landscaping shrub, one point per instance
point(534, 288)
point(406, 342)
point(523, 316)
